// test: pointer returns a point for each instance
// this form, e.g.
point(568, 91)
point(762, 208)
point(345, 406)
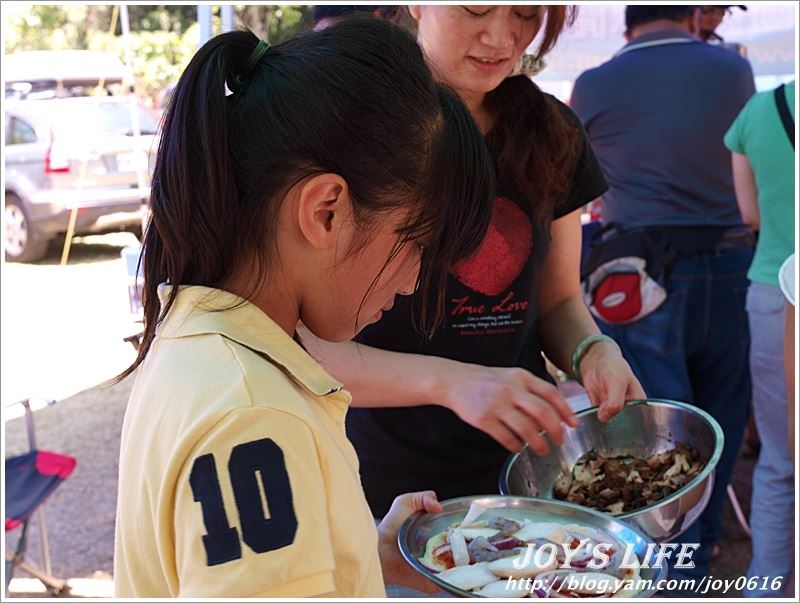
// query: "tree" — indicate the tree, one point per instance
point(163, 37)
point(284, 21)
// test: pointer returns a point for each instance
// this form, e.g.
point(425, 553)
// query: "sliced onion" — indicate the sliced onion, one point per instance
point(579, 563)
point(508, 543)
point(429, 568)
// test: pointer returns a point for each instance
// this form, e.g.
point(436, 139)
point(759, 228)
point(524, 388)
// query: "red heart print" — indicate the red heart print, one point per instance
point(502, 253)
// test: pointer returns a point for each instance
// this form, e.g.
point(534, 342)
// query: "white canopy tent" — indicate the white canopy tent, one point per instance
point(64, 67)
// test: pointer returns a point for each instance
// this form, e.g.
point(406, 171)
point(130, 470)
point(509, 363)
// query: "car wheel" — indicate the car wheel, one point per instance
point(22, 243)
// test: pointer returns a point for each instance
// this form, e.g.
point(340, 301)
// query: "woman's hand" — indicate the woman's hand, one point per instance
point(608, 379)
point(510, 404)
point(395, 568)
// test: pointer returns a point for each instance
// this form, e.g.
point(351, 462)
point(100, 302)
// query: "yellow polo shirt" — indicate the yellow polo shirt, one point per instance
point(236, 477)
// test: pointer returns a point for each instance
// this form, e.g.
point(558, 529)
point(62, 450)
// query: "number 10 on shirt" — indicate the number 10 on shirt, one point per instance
point(259, 532)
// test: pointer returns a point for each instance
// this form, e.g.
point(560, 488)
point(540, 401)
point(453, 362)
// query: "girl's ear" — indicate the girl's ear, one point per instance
point(413, 10)
point(324, 210)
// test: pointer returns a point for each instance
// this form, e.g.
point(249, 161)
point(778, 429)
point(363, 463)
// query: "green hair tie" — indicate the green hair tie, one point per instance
point(258, 53)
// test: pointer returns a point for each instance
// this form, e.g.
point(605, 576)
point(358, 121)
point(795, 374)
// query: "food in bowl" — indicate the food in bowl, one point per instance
point(624, 483)
point(492, 555)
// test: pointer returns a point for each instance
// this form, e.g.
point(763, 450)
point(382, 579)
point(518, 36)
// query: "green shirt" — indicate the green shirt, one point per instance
point(759, 134)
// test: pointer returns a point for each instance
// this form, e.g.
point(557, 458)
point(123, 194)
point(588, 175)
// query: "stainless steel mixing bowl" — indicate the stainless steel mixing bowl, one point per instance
point(420, 527)
point(641, 429)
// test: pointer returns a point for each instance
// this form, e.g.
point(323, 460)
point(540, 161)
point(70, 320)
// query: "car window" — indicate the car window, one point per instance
point(20, 132)
point(104, 118)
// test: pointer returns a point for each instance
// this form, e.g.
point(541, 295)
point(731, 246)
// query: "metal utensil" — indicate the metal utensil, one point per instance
point(643, 428)
point(420, 527)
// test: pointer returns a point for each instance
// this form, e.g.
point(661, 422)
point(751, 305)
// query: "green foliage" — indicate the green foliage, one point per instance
point(284, 21)
point(163, 38)
point(44, 27)
point(157, 57)
point(161, 18)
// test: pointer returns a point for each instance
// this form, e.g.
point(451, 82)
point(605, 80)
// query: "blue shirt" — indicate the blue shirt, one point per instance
point(656, 114)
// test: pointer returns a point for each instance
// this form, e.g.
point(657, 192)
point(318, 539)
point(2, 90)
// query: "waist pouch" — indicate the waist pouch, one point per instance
point(624, 273)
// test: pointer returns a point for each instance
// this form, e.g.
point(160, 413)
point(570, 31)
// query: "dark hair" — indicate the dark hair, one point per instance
point(326, 11)
point(355, 99)
point(638, 14)
point(534, 144)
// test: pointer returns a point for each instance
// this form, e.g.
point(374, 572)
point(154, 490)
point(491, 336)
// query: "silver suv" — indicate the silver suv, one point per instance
point(75, 152)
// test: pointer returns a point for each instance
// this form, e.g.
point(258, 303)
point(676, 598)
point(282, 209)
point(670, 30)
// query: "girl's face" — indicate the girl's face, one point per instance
point(356, 297)
point(474, 48)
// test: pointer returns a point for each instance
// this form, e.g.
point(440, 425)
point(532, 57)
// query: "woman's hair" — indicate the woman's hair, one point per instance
point(355, 99)
point(534, 143)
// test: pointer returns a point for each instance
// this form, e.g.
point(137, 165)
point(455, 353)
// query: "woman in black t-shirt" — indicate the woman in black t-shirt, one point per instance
point(442, 412)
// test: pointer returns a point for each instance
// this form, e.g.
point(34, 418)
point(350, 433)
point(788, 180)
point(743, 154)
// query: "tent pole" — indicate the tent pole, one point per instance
point(226, 12)
point(204, 20)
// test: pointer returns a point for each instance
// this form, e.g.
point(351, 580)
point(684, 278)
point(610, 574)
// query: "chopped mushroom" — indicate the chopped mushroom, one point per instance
point(620, 484)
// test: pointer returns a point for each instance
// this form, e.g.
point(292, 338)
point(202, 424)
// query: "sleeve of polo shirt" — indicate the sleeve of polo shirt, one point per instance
point(250, 515)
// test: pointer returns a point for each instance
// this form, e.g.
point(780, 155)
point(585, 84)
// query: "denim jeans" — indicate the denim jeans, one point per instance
point(694, 348)
point(772, 505)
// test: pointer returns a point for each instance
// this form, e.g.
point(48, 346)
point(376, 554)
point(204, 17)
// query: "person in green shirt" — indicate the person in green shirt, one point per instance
point(763, 168)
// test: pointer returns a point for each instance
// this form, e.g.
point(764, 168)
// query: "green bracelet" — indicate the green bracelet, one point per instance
point(581, 349)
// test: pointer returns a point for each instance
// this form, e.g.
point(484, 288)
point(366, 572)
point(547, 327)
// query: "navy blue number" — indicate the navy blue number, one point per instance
point(259, 532)
point(221, 540)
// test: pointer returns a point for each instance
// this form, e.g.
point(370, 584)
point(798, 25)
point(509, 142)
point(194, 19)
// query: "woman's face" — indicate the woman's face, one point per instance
point(356, 297)
point(474, 48)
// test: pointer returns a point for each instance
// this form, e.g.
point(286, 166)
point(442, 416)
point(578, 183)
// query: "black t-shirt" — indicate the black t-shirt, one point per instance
point(490, 319)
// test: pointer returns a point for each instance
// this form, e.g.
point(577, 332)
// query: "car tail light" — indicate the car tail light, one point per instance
point(55, 161)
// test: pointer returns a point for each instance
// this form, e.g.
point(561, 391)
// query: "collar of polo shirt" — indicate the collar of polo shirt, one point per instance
point(198, 310)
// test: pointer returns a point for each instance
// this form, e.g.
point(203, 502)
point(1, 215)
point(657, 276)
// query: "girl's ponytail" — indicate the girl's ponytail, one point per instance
point(247, 122)
point(193, 184)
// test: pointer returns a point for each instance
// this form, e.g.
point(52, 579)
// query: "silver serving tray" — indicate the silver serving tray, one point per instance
point(420, 527)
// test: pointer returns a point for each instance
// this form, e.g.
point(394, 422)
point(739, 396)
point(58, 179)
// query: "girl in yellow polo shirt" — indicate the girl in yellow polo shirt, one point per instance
point(312, 181)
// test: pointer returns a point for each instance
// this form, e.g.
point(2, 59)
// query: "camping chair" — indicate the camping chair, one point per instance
point(30, 478)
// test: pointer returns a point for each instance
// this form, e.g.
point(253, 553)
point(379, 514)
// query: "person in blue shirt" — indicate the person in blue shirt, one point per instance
point(655, 115)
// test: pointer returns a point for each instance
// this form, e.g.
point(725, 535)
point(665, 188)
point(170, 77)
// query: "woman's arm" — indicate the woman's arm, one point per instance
point(510, 404)
point(564, 321)
point(563, 317)
point(378, 378)
point(746, 192)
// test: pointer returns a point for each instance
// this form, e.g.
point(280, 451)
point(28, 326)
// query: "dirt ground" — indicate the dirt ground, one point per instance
point(87, 424)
